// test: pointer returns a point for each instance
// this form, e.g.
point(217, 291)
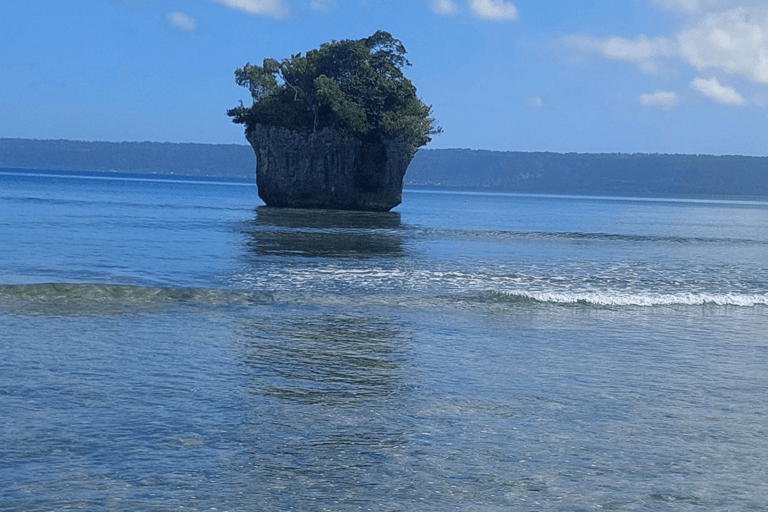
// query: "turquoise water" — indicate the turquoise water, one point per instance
point(169, 344)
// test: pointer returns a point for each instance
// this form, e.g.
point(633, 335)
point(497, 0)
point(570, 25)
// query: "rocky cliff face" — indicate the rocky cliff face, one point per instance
point(323, 170)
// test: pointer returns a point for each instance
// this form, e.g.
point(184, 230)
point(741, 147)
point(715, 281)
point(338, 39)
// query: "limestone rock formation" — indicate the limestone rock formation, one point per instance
point(324, 169)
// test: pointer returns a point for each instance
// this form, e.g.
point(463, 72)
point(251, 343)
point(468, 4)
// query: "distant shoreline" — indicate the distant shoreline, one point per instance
point(123, 174)
point(610, 175)
point(182, 178)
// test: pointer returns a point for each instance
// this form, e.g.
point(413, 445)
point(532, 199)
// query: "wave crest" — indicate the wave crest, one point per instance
point(609, 298)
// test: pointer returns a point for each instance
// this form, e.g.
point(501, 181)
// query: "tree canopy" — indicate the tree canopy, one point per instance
point(355, 87)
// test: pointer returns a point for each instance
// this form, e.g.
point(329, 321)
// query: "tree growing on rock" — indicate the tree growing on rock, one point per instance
point(355, 87)
point(350, 96)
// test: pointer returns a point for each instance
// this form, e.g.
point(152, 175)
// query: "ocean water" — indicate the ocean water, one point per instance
point(170, 344)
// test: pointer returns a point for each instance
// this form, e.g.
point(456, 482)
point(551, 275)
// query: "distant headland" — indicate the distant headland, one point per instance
point(639, 175)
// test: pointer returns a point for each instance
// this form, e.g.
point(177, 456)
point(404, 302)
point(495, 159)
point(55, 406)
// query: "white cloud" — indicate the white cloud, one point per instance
point(643, 51)
point(660, 99)
point(272, 8)
point(497, 10)
point(324, 5)
point(535, 102)
point(443, 6)
point(734, 41)
point(181, 21)
point(721, 93)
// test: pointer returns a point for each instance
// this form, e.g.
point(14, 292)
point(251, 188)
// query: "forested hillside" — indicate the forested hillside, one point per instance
point(608, 174)
point(230, 160)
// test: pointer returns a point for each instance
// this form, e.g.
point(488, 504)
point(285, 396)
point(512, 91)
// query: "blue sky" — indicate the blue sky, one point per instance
point(586, 76)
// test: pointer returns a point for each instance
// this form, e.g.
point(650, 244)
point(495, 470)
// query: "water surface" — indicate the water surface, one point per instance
point(170, 344)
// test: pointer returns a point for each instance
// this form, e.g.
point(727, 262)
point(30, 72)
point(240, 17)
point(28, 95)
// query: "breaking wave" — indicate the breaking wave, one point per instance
point(399, 286)
point(349, 289)
point(610, 298)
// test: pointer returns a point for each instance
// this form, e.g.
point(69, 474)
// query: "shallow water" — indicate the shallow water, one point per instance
point(170, 344)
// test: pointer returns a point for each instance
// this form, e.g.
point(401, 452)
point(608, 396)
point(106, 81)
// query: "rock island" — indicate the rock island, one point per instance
point(335, 128)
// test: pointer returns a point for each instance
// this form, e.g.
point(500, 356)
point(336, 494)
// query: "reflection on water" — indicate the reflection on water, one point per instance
point(326, 219)
point(325, 393)
point(324, 233)
point(332, 359)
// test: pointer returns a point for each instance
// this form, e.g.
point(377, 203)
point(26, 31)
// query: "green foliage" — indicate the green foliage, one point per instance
point(353, 86)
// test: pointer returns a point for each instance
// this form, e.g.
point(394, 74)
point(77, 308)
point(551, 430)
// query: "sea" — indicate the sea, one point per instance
point(170, 343)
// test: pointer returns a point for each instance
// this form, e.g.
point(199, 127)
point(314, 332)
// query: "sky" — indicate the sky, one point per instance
point(584, 76)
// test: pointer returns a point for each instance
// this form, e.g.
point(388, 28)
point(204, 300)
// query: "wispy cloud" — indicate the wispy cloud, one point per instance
point(733, 41)
point(679, 5)
point(712, 89)
point(642, 51)
point(722, 37)
point(324, 5)
point(497, 10)
point(181, 21)
point(444, 7)
point(696, 7)
point(535, 102)
point(271, 8)
point(660, 99)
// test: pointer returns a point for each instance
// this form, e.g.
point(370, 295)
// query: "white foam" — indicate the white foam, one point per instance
point(609, 298)
point(555, 290)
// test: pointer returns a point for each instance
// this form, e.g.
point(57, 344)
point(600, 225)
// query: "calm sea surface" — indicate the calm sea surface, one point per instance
point(169, 344)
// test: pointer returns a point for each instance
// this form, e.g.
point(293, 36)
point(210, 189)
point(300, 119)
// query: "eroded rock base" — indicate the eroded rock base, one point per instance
point(324, 170)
